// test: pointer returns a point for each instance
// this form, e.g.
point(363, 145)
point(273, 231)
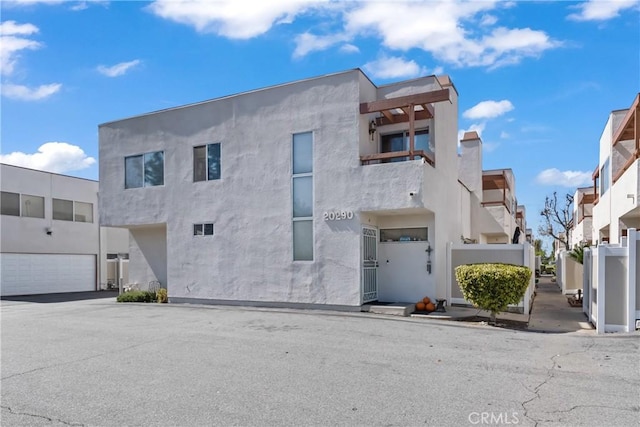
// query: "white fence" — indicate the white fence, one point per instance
point(569, 273)
point(519, 254)
point(612, 285)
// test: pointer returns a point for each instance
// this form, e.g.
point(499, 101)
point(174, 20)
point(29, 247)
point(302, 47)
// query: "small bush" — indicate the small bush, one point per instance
point(493, 287)
point(137, 296)
point(162, 295)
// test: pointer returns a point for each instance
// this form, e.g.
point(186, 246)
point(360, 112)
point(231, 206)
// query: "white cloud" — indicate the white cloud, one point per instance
point(601, 10)
point(568, 178)
point(52, 157)
point(236, 19)
point(394, 67)
point(488, 20)
point(118, 69)
point(490, 147)
point(25, 93)
point(488, 109)
point(439, 28)
point(349, 48)
point(504, 135)
point(12, 41)
point(307, 42)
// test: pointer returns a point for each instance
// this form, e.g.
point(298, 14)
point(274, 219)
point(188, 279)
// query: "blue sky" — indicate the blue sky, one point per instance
point(536, 79)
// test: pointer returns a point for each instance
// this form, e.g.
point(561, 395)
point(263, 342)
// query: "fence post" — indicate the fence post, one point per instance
point(632, 247)
point(600, 320)
point(526, 261)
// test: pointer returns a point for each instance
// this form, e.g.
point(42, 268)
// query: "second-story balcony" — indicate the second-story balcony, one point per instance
point(403, 127)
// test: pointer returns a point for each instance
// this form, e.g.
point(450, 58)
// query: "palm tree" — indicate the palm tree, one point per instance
point(577, 253)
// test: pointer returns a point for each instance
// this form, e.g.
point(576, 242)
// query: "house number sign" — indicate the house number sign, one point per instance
point(337, 215)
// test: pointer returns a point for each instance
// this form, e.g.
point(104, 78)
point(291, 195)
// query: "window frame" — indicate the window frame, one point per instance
point(2, 211)
point(206, 165)
point(202, 226)
point(143, 169)
point(301, 219)
point(22, 201)
point(53, 210)
point(405, 143)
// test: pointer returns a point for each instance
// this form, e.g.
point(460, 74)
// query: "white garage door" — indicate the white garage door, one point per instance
point(27, 274)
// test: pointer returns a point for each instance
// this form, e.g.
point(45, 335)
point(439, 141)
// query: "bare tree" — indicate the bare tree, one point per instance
point(557, 219)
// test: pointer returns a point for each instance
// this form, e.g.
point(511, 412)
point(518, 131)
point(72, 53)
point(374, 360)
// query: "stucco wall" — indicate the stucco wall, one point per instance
point(148, 247)
point(249, 257)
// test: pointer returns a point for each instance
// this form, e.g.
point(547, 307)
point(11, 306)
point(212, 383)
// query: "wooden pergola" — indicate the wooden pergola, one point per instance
point(583, 200)
point(403, 109)
point(629, 130)
point(497, 181)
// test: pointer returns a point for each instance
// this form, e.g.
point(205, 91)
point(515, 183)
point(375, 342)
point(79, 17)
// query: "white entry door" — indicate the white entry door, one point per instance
point(369, 264)
point(28, 274)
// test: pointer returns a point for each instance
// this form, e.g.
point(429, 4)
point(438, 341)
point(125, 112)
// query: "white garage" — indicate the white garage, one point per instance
point(27, 274)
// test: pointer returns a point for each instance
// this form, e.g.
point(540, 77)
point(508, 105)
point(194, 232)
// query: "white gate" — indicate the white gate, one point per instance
point(369, 264)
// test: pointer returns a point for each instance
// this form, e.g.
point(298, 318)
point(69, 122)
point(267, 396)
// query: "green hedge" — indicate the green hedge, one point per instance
point(493, 287)
point(137, 296)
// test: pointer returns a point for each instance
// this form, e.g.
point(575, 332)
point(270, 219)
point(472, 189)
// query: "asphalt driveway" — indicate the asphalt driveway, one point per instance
point(97, 362)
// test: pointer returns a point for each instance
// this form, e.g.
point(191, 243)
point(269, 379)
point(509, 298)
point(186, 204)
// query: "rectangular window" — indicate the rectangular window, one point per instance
point(144, 170)
point(206, 162)
point(604, 177)
point(302, 189)
point(62, 209)
point(205, 229)
point(10, 203)
point(83, 212)
point(400, 142)
point(32, 206)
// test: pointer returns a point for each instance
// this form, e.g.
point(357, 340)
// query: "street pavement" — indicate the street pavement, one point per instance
point(100, 363)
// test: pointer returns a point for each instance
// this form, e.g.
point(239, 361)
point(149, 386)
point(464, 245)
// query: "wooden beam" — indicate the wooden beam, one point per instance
point(403, 101)
point(628, 120)
point(412, 130)
point(388, 116)
point(400, 118)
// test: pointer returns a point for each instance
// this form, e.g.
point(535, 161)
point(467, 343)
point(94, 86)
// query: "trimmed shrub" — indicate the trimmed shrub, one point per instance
point(137, 296)
point(493, 287)
point(162, 295)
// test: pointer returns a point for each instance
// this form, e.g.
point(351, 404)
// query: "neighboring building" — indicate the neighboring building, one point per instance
point(51, 240)
point(581, 233)
point(617, 177)
point(499, 198)
point(326, 191)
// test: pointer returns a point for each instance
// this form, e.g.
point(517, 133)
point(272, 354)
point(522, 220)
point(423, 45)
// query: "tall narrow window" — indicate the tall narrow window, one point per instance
point(604, 177)
point(206, 162)
point(302, 188)
point(144, 170)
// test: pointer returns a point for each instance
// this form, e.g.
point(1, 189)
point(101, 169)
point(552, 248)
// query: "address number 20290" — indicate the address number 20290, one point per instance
point(338, 215)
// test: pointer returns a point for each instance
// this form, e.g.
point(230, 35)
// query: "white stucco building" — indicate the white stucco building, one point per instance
point(617, 177)
point(327, 191)
point(51, 240)
point(581, 233)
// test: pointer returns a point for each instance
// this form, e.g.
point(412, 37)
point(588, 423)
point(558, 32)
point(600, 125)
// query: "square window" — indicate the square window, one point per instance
point(83, 212)
point(62, 209)
point(144, 170)
point(198, 230)
point(10, 204)
point(32, 206)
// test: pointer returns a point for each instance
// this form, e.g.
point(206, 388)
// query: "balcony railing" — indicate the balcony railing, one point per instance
point(406, 155)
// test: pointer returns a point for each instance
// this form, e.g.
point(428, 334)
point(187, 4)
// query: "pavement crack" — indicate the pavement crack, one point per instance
point(573, 408)
point(55, 365)
point(550, 375)
point(44, 417)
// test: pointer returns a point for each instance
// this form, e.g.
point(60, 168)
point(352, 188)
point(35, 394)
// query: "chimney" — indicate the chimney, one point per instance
point(470, 165)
